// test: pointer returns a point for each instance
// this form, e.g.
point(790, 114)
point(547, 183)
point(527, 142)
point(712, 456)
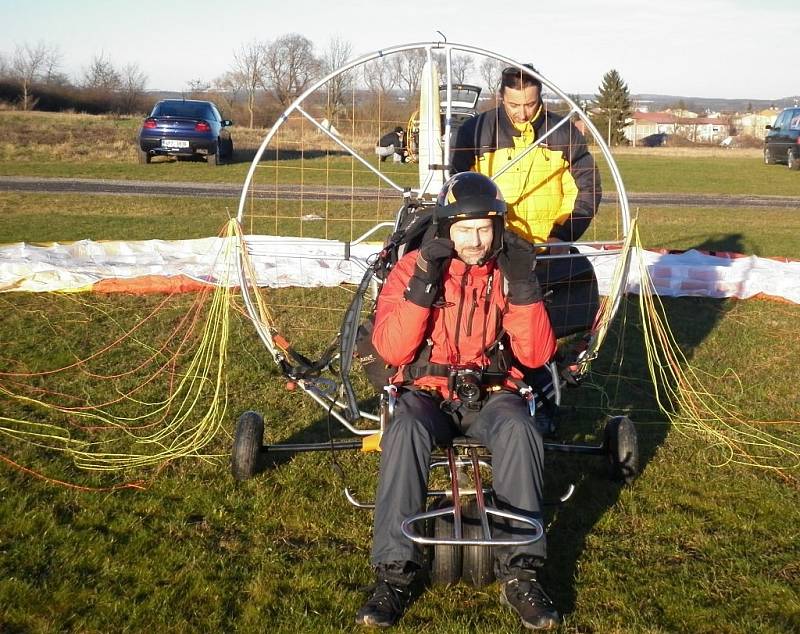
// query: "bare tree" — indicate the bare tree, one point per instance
point(133, 82)
point(380, 77)
point(227, 88)
point(101, 76)
point(50, 72)
point(335, 55)
point(197, 86)
point(28, 65)
point(290, 67)
point(249, 67)
point(407, 67)
point(461, 65)
point(490, 73)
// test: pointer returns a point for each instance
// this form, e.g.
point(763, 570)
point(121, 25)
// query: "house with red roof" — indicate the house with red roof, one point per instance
point(698, 129)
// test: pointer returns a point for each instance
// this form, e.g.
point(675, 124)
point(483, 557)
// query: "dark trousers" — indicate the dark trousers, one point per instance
point(504, 425)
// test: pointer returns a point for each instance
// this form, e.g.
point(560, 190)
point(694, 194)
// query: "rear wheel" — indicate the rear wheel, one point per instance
point(792, 159)
point(144, 156)
point(478, 561)
point(214, 158)
point(247, 443)
point(445, 560)
point(622, 449)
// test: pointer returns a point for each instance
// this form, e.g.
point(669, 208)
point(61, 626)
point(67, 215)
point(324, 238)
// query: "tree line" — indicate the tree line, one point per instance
point(264, 77)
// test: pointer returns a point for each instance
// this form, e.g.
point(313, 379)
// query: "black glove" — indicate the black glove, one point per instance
point(432, 260)
point(517, 261)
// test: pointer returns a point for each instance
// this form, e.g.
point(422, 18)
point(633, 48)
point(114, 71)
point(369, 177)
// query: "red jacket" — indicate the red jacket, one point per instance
point(401, 326)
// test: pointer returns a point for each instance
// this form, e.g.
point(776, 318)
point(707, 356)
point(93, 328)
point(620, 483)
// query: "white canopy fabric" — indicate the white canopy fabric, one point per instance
point(309, 262)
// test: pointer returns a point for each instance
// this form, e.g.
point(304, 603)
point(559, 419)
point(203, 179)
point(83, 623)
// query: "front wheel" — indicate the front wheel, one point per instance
point(622, 449)
point(478, 561)
point(768, 158)
point(792, 159)
point(247, 444)
point(445, 561)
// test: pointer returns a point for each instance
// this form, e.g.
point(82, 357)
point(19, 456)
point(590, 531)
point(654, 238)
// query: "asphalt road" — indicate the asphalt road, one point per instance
point(222, 190)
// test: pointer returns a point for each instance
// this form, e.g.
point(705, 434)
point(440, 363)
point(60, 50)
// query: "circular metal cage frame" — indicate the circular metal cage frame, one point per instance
point(324, 395)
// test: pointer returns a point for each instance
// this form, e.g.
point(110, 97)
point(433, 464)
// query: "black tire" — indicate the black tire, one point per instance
point(144, 157)
point(792, 159)
point(477, 566)
point(622, 449)
point(768, 159)
point(247, 443)
point(229, 150)
point(445, 561)
point(214, 158)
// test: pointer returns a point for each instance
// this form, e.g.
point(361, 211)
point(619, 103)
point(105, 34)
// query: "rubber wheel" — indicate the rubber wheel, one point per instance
point(214, 158)
point(792, 161)
point(477, 567)
point(768, 160)
point(229, 150)
point(247, 443)
point(144, 157)
point(622, 449)
point(445, 561)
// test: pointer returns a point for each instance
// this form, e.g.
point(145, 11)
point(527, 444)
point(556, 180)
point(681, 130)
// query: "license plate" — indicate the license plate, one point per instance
point(173, 143)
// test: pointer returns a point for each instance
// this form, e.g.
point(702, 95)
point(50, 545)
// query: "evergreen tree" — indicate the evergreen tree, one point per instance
point(613, 107)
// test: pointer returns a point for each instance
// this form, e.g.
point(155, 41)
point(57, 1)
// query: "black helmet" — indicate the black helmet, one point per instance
point(467, 196)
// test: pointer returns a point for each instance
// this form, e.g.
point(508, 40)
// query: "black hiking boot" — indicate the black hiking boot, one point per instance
point(386, 605)
point(527, 598)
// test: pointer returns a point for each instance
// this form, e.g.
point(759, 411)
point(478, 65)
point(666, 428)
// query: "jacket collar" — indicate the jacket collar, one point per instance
point(459, 268)
point(536, 123)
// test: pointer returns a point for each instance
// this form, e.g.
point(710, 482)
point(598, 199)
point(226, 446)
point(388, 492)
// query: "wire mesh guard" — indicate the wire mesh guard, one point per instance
point(323, 193)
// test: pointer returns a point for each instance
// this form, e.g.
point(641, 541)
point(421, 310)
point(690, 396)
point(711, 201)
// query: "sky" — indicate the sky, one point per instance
point(737, 49)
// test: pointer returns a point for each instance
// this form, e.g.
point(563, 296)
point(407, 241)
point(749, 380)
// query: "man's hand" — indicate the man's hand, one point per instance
point(556, 250)
point(432, 260)
point(517, 261)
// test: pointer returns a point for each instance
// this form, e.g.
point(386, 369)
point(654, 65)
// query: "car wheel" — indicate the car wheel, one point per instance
point(144, 157)
point(792, 160)
point(229, 150)
point(768, 160)
point(247, 444)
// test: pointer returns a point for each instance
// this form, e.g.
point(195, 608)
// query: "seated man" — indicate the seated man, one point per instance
point(455, 305)
point(392, 144)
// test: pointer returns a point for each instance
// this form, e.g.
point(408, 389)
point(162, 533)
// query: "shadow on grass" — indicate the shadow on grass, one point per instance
point(691, 320)
point(246, 155)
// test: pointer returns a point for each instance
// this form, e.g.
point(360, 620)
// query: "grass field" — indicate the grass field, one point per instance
point(688, 547)
point(86, 146)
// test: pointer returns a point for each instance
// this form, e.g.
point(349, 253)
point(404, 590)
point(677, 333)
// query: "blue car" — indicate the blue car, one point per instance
point(185, 127)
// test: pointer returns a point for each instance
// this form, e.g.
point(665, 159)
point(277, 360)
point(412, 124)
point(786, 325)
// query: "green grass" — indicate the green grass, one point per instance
point(85, 146)
point(687, 547)
point(640, 173)
point(63, 217)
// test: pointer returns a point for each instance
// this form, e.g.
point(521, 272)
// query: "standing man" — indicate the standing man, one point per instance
point(553, 192)
point(446, 312)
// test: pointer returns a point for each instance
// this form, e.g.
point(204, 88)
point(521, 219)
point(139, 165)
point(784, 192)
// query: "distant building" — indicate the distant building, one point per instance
point(754, 123)
point(687, 124)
